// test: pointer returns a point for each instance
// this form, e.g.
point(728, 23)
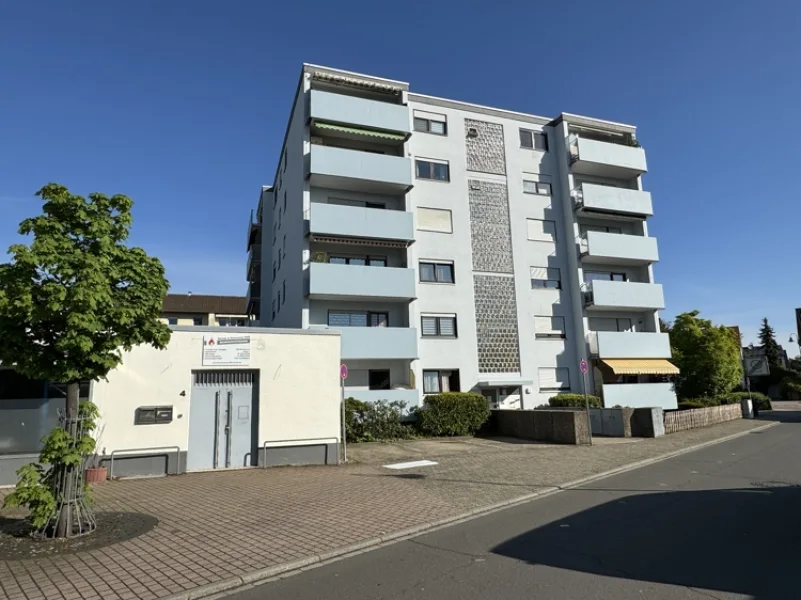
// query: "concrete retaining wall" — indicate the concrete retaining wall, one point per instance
point(627, 422)
point(560, 426)
point(682, 420)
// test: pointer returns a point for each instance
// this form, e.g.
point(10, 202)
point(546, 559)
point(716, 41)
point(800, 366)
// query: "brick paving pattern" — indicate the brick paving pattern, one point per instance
point(216, 525)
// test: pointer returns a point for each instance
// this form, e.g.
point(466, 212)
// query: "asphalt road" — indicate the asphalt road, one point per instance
point(723, 522)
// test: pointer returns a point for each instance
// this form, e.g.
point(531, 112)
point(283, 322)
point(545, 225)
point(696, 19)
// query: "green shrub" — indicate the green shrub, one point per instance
point(761, 401)
point(790, 389)
point(574, 401)
point(690, 404)
point(452, 413)
point(376, 421)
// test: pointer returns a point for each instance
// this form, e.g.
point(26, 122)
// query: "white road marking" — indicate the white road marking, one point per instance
point(411, 465)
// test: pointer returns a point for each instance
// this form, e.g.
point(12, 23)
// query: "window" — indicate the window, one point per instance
point(280, 219)
point(172, 320)
point(554, 379)
point(373, 261)
point(436, 382)
point(434, 219)
point(284, 200)
point(610, 324)
point(549, 327)
point(283, 287)
point(583, 229)
point(153, 415)
point(273, 310)
point(357, 318)
point(533, 140)
point(430, 123)
point(603, 276)
point(438, 326)
point(231, 322)
point(197, 321)
point(427, 169)
point(279, 261)
point(541, 231)
point(275, 232)
point(274, 271)
point(285, 159)
point(378, 379)
point(283, 248)
point(432, 272)
point(536, 187)
point(545, 277)
point(279, 301)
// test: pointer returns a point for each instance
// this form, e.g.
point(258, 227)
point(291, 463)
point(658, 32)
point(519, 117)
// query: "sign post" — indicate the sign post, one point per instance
point(584, 368)
point(343, 375)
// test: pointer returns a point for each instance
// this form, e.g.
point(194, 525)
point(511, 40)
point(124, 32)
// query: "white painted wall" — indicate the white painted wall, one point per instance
point(298, 388)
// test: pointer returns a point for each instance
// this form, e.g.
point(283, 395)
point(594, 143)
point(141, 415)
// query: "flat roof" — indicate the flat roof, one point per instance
point(233, 331)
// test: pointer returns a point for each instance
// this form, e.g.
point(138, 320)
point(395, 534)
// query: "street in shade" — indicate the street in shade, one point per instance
point(723, 522)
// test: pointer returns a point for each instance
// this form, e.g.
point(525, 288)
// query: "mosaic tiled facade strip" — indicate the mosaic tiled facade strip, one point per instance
point(485, 149)
point(496, 324)
point(491, 237)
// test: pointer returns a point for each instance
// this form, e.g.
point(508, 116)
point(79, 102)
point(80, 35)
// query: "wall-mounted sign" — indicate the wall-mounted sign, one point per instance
point(226, 350)
point(756, 366)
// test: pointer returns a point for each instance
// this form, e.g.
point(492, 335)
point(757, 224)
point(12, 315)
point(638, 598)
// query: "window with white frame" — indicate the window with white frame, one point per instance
point(432, 169)
point(554, 379)
point(357, 318)
point(545, 278)
point(549, 327)
point(601, 228)
point(539, 230)
point(439, 381)
point(427, 122)
point(436, 272)
point(438, 326)
point(438, 220)
point(610, 324)
point(530, 186)
point(533, 140)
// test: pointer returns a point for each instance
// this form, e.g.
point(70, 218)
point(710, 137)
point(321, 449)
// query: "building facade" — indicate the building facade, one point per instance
point(461, 247)
point(205, 311)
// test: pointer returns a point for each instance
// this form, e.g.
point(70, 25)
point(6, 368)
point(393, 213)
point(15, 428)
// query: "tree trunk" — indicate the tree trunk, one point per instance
point(64, 525)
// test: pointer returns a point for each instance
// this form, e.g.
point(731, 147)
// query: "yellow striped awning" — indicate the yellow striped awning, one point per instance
point(641, 366)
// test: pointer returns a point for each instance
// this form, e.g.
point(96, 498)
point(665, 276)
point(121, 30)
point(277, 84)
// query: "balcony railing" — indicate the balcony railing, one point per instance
point(254, 229)
point(624, 295)
point(608, 201)
point(350, 110)
point(618, 157)
point(254, 262)
point(629, 344)
point(360, 222)
point(335, 281)
point(345, 168)
point(379, 343)
point(618, 248)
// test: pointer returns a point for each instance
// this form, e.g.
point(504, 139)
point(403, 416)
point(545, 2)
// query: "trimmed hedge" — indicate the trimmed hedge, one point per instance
point(376, 421)
point(761, 401)
point(574, 401)
point(452, 413)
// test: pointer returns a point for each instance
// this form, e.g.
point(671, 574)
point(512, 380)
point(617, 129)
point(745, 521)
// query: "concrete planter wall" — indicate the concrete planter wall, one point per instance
point(560, 426)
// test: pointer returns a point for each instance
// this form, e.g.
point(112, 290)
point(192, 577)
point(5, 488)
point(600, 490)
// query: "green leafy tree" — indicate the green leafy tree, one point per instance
point(708, 356)
point(767, 338)
point(72, 301)
point(665, 326)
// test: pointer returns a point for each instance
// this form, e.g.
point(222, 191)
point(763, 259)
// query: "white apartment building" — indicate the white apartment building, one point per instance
point(461, 247)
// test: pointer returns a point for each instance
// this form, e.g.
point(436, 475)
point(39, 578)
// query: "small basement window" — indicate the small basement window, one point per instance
point(153, 415)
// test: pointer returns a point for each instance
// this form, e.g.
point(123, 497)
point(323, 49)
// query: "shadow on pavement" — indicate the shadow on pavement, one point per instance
point(744, 541)
point(782, 416)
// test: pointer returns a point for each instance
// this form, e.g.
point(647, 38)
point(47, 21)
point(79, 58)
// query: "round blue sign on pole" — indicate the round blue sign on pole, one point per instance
point(583, 366)
point(343, 371)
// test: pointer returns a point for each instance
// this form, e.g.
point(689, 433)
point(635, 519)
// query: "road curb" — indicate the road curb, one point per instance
point(287, 569)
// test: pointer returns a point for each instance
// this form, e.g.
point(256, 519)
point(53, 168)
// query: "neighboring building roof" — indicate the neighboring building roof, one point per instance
point(191, 303)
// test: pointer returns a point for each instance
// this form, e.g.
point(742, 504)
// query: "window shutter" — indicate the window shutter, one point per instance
point(420, 124)
point(447, 326)
point(434, 219)
point(338, 319)
point(547, 378)
point(429, 325)
point(539, 273)
point(541, 231)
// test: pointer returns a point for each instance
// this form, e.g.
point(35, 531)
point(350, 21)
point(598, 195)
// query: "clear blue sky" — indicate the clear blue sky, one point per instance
point(182, 106)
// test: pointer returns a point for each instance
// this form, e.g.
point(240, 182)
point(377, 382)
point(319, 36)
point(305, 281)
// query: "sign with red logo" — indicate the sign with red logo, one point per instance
point(226, 351)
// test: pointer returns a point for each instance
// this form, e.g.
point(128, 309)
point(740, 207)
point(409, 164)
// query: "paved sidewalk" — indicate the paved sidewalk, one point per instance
point(213, 526)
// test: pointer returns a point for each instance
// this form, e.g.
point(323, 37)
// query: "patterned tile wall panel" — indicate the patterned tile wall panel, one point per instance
point(496, 324)
point(485, 151)
point(489, 227)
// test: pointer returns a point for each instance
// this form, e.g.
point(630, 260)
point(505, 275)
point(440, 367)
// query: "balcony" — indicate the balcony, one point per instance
point(410, 397)
point(337, 282)
point(610, 158)
point(254, 229)
point(640, 395)
point(628, 344)
point(254, 299)
point(254, 262)
point(358, 222)
point(349, 110)
point(343, 168)
point(605, 201)
point(379, 343)
point(618, 249)
point(624, 295)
